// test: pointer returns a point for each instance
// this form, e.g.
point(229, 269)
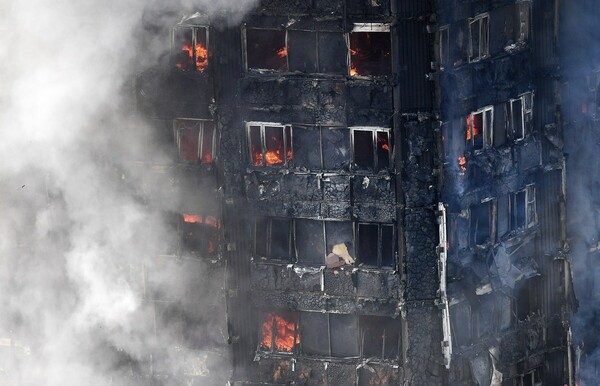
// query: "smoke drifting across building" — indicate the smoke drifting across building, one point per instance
point(352, 192)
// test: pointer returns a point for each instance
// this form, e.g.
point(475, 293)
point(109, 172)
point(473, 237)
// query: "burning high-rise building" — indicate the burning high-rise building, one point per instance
point(379, 192)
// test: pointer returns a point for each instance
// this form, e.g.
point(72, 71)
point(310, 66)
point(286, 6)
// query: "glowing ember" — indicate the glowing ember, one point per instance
point(353, 69)
point(462, 164)
point(282, 53)
point(469, 135)
point(192, 218)
point(274, 157)
point(280, 331)
point(207, 158)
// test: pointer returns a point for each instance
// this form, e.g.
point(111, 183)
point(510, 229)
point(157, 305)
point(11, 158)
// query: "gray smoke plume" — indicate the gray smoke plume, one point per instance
point(75, 230)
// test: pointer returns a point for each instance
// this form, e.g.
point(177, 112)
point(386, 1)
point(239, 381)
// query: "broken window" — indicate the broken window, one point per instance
point(376, 244)
point(340, 248)
point(444, 46)
point(266, 49)
point(200, 235)
point(270, 144)
point(524, 19)
point(321, 148)
point(370, 50)
point(273, 238)
point(316, 51)
point(480, 128)
point(310, 241)
point(523, 208)
point(482, 227)
point(195, 140)
point(520, 115)
point(332, 335)
point(532, 378)
point(479, 30)
point(336, 148)
point(380, 337)
point(371, 148)
point(279, 332)
point(190, 48)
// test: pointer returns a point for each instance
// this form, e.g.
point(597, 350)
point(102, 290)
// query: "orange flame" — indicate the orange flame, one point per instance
point(462, 164)
point(282, 53)
point(192, 218)
point(274, 157)
point(198, 219)
point(279, 330)
point(469, 135)
point(201, 55)
point(353, 69)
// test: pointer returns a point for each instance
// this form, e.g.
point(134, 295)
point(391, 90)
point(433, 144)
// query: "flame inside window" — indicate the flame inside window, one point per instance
point(200, 234)
point(266, 49)
point(270, 145)
point(195, 140)
point(191, 48)
point(462, 164)
point(370, 54)
point(279, 332)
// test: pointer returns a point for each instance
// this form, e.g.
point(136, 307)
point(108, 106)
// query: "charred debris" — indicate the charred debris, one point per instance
point(378, 191)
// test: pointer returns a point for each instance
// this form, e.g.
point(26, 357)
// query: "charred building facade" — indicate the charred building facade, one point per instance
point(378, 192)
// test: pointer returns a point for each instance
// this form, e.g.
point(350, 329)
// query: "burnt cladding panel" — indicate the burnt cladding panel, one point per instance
point(413, 65)
point(549, 212)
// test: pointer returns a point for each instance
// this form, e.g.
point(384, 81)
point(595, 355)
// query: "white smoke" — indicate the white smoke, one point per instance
point(73, 234)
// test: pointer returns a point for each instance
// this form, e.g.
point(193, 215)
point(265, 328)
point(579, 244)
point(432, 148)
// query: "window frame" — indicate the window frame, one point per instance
point(329, 314)
point(247, 69)
point(487, 133)
point(374, 131)
point(526, 99)
point(362, 324)
point(193, 27)
point(524, 27)
point(368, 27)
point(380, 248)
point(177, 138)
point(286, 147)
point(483, 51)
point(444, 42)
point(492, 224)
point(297, 333)
point(530, 206)
point(269, 239)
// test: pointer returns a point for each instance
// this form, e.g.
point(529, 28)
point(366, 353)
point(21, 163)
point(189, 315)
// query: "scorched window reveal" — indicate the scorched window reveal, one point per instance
point(190, 48)
point(321, 148)
point(520, 115)
point(270, 144)
point(482, 223)
point(479, 37)
point(480, 128)
point(330, 243)
point(370, 50)
point(195, 140)
point(371, 148)
point(444, 46)
point(200, 235)
point(265, 49)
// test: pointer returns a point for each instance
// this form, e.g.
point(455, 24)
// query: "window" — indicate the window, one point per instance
point(520, 115)
point(265, 49)
point(371, 148)
point(270, 144)
point(279, 332)
point(200, 235)
point(324, 242)
point(444, 46)
point(273, 238)
point(532, 378)
point(370, 46)
point(195, 140)
point(317, 51)
point(524, 19)
point(479, 29)
point(376, 244)
point(321, 148)
point(482, 227)
point(523, 208)
point(190, 48)
point(460, 316)
point(480, 128)
point(380, 337)
point(332, 335)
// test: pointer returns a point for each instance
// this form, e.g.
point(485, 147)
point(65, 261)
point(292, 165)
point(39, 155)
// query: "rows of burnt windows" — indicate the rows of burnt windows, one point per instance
point(330, 243)
point(330, 335)
point(319, 147)
point(365, 51)
point(475, 39)
point(494, 219)
point(490, 126)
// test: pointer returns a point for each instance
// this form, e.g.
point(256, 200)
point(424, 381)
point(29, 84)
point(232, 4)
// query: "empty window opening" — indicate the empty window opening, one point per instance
point(195, 140)
point(279, 332)
point(481, 223)
point(370, 50)
point(200, 235)
point(331, 335)
point(524, 18)
point(340, 248)
point(380, 337)
point(310, 241)
point(190, 48)
point(376, 245)
point(321, 148)
point(479, 29)
point(520, 116)
point(480, 128)
point(266, 49)
point(444, 46)
point(532, 378)
point(371, 148)
point(270, 143)
point(317, 52)
point(273, 238)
